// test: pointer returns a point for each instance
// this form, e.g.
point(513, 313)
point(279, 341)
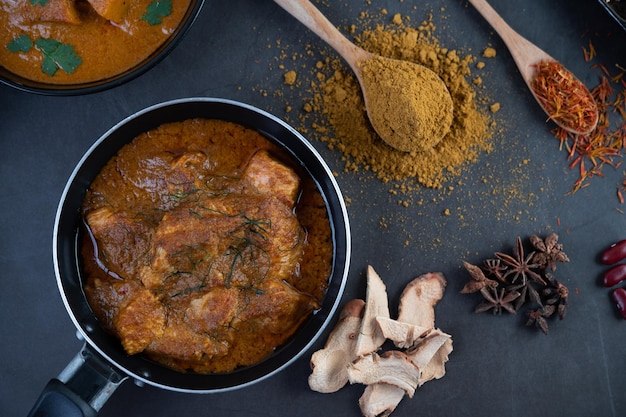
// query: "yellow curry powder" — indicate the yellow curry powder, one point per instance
point(408, 105)
point(344, 125)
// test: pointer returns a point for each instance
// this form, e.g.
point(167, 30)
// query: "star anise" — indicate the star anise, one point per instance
point(520, 266)
point(479, 280)
point(527, 292)
point(538, 317)
point(555, 294)
point(497, 300)
point(495, 268)
point(549, 252)
point(509, 280)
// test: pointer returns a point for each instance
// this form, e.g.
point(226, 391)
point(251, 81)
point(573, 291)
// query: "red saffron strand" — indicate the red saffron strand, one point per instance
point(566, 100)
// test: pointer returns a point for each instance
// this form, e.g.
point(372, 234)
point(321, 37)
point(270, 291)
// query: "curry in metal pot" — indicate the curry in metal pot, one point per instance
point(81, 41)
point(205, 246)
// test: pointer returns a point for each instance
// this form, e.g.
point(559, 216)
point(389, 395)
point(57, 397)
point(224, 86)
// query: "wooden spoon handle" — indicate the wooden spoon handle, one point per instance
point(524, 53)
point(313, 19)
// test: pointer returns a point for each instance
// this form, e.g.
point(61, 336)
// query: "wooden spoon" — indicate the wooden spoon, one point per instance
point(527, 56)
point(408, 105)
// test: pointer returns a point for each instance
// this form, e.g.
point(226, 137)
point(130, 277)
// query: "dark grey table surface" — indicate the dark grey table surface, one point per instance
point(498, 367)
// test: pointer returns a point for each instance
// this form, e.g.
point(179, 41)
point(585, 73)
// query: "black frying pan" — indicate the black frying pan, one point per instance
point(88, 381)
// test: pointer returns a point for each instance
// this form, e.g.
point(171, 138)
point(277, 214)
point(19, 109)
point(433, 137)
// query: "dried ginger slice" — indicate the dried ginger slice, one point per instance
point(403, 335)
point(330, 364)
point(393, 374)
point(371, 337)
point(419, 298)
point(435, 366)
point(417, 303)
point(392, 367)
point(380, 400)
point(417, 306)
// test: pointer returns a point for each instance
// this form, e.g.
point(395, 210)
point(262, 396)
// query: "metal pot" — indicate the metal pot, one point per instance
point(94, 374)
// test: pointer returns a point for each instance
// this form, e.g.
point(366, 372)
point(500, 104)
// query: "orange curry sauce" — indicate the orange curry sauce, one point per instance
point(206, 246)
point(107, 48)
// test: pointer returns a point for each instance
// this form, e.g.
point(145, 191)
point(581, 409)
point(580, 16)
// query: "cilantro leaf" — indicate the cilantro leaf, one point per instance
point(20, 44)
point(156, 11)
point(57, 55)
point(39, 2)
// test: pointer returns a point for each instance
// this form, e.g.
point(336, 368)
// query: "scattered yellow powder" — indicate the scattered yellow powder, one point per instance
point(489, 52)
point(290, 77)
point(499, 187)
point(495, 107)
point(337, 98)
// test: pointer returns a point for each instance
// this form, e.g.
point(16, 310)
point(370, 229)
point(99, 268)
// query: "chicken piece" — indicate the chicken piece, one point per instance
point(235, 239)
point(113, 10)
point(376, 305)
point(158, 271)
point(270, 177)
point(139, 322)
point(330, 365)
point(224, 231)
point(278, 307)
point(100, 220)
point(116, 240)
point(214, 310)
point(180, 345)
point(58, 11)
point(219, 260)
point(185, 241)
point(107, 296)
point(185, 173)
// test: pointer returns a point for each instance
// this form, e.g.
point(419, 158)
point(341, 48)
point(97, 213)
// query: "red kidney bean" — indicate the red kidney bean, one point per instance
point(614, 276)
point(614, 253)
point(619, 296)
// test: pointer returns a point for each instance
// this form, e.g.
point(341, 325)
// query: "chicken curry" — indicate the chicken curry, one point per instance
point(205, 246)
point(81, 41)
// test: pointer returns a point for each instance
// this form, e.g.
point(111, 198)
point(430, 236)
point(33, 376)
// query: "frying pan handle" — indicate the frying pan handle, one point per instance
point(81, 389)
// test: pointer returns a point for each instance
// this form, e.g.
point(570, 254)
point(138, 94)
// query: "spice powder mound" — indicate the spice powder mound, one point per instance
point(410, 108)
point(337, 97)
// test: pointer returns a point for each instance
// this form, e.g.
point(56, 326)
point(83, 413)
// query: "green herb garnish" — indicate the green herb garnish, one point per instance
point(156, 11)
point(20, 44)
point(57, 55)
point(39, 2)
point(188, 290)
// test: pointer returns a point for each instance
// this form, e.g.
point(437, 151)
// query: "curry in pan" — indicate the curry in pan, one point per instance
point(81, 41)
point(205, 246)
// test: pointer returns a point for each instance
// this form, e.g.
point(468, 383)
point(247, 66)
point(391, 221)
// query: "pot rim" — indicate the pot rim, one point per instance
point(337, 279)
